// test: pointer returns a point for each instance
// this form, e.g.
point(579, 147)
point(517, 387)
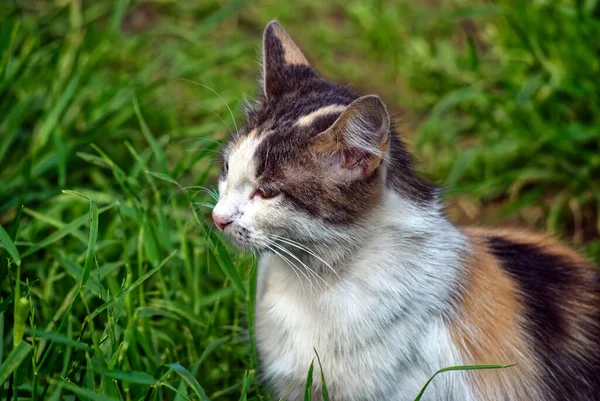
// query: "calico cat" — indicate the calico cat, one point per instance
point(359, 263)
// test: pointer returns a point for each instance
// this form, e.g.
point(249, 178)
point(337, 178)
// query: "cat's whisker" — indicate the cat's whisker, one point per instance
point(199, 139)
point(295, 268)
point(311, 271)
point(305, 249)
point(176, 191)
point(214, 161)
point(213, 194)
point(189, 103)
point(195, 194)
point(205, 204)
point(213, 151)
point(220, 97)
point(220, 118)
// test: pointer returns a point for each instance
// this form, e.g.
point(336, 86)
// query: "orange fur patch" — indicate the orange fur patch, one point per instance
point(579, 311)
point(488, 330)
point(253, 134)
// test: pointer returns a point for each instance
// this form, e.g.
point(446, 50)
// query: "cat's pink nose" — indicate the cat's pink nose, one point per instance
point(220, 221)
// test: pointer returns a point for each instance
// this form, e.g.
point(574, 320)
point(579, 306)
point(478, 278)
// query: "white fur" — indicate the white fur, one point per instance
point(399, 269)
point(308, 119)
point(235, 191)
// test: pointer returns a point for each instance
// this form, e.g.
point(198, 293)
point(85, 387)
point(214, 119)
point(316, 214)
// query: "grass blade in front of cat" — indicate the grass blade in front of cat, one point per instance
point(309, 381)
point(324, 390)
point(454, 368)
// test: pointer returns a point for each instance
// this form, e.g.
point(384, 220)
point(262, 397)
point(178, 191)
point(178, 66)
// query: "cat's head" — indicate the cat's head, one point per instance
point(313, 160)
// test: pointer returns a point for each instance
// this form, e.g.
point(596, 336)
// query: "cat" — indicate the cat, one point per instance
point(359, 264)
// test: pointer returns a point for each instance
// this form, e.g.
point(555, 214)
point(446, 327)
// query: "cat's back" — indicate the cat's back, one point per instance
point(545, 299)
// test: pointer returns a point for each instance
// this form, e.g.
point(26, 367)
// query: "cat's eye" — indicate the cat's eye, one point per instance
point(224, 168)
point(265, 193)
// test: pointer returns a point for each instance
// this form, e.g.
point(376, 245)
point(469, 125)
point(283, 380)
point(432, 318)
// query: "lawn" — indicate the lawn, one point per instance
point(113, 285)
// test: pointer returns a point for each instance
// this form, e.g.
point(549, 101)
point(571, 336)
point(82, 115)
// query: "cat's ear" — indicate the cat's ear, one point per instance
point(283, 65)
point(356, 144)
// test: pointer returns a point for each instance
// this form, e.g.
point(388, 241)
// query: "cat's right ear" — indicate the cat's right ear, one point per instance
point(284, 66)
point(357, 142)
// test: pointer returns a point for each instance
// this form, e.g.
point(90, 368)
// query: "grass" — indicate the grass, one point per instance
point(112, 284)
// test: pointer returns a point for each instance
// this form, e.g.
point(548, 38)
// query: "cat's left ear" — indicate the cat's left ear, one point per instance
point(357, 142)
point(284, 64)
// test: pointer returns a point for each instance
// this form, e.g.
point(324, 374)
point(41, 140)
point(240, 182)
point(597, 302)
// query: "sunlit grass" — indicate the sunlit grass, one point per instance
point(113, 285)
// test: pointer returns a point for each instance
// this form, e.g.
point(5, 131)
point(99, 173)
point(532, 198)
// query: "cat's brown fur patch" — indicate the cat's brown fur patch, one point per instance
point(554, 296)
point(487, 329)
point(292, 54)
point(579, 312)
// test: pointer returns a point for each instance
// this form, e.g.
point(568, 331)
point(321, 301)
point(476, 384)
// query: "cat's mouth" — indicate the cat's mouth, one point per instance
point(244, 239)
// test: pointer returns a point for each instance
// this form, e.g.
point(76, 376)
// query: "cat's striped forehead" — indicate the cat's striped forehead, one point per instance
point(297, 116)
point(275, 151)
point(295, 119)
point(279, 136)
point(306, 121)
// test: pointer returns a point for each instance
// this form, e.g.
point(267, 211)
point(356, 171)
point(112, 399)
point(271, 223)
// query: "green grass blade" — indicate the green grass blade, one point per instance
point(252, 283)
point(76, 271)
point(180, 394)
point(210, 348)
point(20, 310)
point(61, 158)
point(132, 287)
point(288, 389)
point(119, 10)
point(246, 383)
point(55, 223)
point(59, 339)
point(189, 379)
point(222, 256)
point(64, 231)
point(156, 148)
point(59, 234)
point(9, 246)
point(224, 12)
point(130, 377)
point(9, 28)
point(49, 123)
point(89, 257)
point(454, 368)
point(148, 239)
point(309, 382)
point(86, 393)
point(13, 237)
point(14, 360)
point(6, 302)
point(324, 390)
point(163, 177)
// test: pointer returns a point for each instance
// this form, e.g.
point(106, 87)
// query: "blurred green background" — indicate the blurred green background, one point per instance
point(119, 290)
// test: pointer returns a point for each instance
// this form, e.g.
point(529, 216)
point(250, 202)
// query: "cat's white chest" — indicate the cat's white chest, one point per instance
point(365, 349)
